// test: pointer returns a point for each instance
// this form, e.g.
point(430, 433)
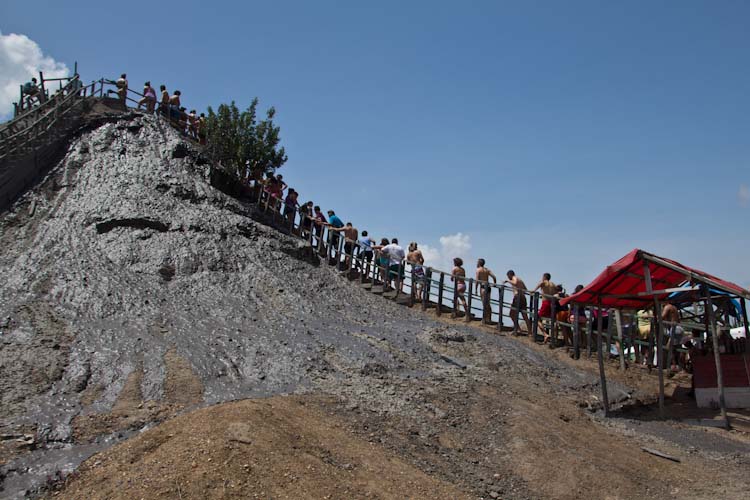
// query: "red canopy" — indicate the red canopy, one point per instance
point(623, 284)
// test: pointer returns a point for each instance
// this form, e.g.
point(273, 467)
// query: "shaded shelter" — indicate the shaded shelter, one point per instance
point(641, 279)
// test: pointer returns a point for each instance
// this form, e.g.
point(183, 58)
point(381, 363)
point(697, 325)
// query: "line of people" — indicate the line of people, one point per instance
point(363, 254)
point(170, 106)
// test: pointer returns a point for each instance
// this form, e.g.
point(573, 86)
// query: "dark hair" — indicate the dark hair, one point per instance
point(331, 212)
point(510, 273)
point(203, 114)
point(348, 223)
point(458, 261)
point(383, 241)
point(317, 208)
point(162, 87)
point(559, 288)
point(147, 84)
point(547, 276)
point(177, 92)
point(123, 75)
point(33, 79)
point(578, 288)
point(364, 233)
point(395, 240)
point(192, 111)
point(480, 262)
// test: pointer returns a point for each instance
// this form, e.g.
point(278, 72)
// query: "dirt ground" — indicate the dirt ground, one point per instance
point(476, 433)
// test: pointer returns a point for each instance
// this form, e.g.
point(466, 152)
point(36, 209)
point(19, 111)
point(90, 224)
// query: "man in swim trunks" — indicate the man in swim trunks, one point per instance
point(519, 301)
point(416, 259)
point(350, 242)
point(164, 103)
point(549, 289)
point(483, 276)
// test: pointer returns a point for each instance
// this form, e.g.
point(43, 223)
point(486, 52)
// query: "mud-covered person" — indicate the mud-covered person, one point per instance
point(483, 276)
point(164, 103)
point(549, 289)
point(416, 260)
point(458, 273)
point(122, 87)
point(519, 301)
point(351, 235)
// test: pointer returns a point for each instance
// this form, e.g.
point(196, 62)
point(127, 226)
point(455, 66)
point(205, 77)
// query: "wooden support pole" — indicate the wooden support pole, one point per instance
point(535, 312)
point(454, 314)
point(500, 299)
point(618, 319)
point(600, 360)
point(576, 333)
point(486, 304)
point(470, 289)
point(440, 294)
point(426, 289)
point(717, 356)
point(553, 323)
point(589, 331)
point(659, 337)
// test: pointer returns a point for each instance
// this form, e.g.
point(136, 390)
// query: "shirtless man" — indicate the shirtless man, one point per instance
point(416, 259)
point(519, 301)
point(350, 242)
point(545, 311)
point(483, 276)
point(670, 317)
point(164, 103)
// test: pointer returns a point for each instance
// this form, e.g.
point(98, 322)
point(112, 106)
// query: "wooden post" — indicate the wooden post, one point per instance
point(553, 322)
point(470, 289)
point(717, 355)
point(600, 359)
point(576, 333)
point(501, 299)
point(440, 293)
point(486, 304)
point(426, 288)
point(589, 331)
point(535, 312)
point(618, 319)
point(454, 314)
point(659, 337)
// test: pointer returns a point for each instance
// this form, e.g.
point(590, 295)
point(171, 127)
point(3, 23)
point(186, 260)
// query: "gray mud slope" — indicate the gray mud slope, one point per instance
point(125, 253)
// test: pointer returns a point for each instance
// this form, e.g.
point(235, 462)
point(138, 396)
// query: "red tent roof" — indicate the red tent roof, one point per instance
point(623, 285)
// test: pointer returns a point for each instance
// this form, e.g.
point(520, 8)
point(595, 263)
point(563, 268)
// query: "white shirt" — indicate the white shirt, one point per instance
point(395, 253)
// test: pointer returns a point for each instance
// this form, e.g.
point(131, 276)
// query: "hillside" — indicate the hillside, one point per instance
point(135, 292)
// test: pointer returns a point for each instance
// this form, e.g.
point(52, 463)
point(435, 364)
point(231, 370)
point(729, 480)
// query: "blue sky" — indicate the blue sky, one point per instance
point(554, 136)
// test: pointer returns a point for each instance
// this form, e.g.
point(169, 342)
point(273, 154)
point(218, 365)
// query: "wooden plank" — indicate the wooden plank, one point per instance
point(426, 288)
point(589, 329)
point(660, 454)
point(470, 289)
point(535, 311)
point(553, 323)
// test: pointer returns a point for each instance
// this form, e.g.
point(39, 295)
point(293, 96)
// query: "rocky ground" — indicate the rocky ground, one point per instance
point(136, 294)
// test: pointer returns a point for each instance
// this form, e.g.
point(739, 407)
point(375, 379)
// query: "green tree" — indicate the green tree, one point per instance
point(239, 143)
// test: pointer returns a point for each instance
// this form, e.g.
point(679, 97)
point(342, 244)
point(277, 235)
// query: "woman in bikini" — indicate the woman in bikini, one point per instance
point(458, 274)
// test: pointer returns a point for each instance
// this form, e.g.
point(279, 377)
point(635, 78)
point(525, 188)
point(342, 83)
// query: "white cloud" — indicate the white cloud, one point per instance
point(21, 59)
point(452, 245)
point(743, 195)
